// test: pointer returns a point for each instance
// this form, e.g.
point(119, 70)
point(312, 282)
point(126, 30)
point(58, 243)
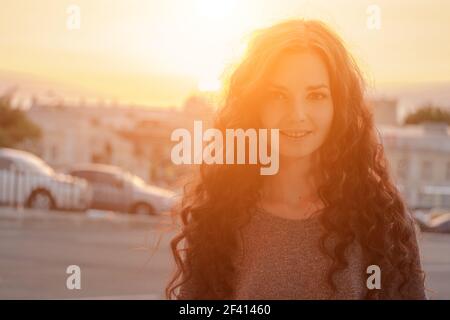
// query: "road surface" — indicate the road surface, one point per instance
point(115, 256)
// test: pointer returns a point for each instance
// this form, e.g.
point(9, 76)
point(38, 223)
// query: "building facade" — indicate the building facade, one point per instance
point(419, 160)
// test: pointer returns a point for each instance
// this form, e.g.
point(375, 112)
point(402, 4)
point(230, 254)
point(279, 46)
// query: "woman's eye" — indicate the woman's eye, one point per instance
point(317, 96)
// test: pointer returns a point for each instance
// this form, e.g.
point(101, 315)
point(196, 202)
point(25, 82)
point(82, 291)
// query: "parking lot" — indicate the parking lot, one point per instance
point(114, 253)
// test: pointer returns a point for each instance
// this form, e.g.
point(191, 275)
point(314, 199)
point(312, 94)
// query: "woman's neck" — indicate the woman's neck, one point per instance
point(293, 182)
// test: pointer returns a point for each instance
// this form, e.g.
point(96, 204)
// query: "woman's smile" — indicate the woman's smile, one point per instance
point(296, 134)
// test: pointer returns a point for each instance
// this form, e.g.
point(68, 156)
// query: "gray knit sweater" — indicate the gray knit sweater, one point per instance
point(280, 259)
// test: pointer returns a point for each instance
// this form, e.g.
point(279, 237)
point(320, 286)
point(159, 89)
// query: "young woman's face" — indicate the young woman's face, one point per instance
point(298, 102)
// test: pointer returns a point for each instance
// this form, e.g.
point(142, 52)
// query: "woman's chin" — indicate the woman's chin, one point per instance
point(293, 154)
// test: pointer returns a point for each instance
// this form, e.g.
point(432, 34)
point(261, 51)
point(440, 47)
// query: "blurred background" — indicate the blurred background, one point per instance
point(90, 92)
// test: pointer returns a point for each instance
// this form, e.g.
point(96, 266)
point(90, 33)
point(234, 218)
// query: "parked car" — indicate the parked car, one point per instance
point(118, 190)
point(433, 221)
point(27, 180)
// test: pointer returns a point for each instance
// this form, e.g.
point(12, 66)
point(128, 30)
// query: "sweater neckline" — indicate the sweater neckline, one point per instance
point(304, 221)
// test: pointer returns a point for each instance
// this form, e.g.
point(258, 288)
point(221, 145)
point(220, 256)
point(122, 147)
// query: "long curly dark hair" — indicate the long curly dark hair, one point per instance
point(361, 200)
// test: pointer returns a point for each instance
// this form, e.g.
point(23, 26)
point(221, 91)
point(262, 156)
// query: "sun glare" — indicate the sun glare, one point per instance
point(209, 85)
point(215, 9)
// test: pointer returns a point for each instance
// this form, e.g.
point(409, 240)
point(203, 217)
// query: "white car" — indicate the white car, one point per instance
point(26, 180)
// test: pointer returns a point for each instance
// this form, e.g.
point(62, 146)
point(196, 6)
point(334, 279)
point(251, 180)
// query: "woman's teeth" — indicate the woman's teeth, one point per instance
point(295, 134)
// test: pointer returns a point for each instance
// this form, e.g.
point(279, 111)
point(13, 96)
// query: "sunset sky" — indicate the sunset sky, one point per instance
point(158, 52)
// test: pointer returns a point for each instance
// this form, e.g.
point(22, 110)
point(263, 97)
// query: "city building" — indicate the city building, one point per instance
point(419, 160)
point(72, 135)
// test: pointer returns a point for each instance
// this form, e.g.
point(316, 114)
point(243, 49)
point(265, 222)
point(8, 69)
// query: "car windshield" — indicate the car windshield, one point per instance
point(37, 165)
point(135, 180)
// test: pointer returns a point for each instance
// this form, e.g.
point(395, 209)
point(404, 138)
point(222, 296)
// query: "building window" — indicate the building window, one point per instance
point(426, 172)
point(403, 168)
point(54, 153)
point(447, 172)
point(446, 201)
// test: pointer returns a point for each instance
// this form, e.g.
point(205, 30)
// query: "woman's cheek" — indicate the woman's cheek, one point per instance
point(324, 116)
point(271, 117)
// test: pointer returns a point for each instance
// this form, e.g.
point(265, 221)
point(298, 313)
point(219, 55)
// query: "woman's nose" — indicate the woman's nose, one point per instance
point(299, 110)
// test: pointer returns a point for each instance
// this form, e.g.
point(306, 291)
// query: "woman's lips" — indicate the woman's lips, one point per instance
point(295, 134)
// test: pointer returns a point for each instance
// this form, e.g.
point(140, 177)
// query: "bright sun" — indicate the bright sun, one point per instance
point(215, 9)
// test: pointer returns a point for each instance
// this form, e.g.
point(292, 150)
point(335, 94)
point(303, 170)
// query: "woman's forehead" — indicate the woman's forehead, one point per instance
point(299, 69)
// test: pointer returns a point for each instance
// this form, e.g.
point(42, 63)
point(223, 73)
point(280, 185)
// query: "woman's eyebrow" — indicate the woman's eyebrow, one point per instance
point(318, 86)
point(277, 86)
point(308, 88)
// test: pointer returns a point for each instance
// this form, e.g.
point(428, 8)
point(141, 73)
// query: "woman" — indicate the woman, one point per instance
point(330, 222)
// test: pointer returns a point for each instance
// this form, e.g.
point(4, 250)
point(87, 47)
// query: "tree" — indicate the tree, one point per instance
point(428, 113)
point(15, 126)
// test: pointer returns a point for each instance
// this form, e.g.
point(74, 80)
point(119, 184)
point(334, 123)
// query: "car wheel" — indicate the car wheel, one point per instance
point(143, 209)
point(40, 199)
